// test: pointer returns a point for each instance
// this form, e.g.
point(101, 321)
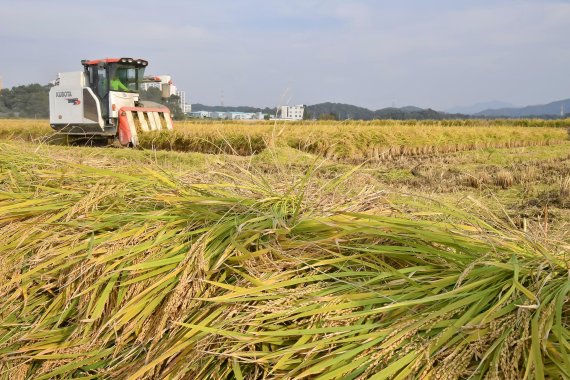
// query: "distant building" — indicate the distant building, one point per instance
point(218, 115)
point(167, 79)
point(292, 112)
point(244, 115)
point(199, 114)
point(186, 108)
point(164, 79)
point(146, 86)
point(226, 115)
point(182, 96)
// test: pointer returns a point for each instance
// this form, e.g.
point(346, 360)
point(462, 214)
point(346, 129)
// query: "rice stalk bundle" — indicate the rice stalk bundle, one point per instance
point(565, 187)
point(115, 275)
point(504, 179)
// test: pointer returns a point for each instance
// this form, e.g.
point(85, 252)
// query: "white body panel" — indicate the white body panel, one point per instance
point(120, 100)
point(72, 79)
point(68, 103)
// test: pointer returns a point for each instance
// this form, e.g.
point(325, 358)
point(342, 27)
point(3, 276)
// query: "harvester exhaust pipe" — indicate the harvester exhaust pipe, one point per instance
point(165, 87)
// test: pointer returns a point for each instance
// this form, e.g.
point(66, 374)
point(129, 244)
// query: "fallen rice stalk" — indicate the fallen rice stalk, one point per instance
point(124, 276)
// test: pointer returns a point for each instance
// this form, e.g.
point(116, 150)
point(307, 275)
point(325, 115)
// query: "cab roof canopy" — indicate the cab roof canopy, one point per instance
point(132, 61)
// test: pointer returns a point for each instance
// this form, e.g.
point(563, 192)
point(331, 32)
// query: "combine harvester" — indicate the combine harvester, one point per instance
point(102, 102)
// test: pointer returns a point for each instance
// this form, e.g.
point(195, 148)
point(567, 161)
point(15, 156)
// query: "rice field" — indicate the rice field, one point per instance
point(289, 264)
point(344, 141)
point(358, 142)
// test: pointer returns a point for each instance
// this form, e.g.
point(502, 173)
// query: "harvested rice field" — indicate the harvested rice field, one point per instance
point(306, 251)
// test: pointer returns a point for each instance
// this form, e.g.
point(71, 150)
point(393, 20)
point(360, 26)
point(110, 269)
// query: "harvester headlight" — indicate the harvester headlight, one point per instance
point(130, 60)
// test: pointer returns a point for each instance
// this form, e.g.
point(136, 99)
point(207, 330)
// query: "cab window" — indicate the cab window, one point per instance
point(128, 77)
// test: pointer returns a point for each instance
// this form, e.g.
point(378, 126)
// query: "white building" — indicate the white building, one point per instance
point(293, 112)
point(167, 79)
point(199, 114)
point(164, 79)
point(146, 86)
point(226, 115)
point(218, 115)
point(186, 108)
point(245, 115)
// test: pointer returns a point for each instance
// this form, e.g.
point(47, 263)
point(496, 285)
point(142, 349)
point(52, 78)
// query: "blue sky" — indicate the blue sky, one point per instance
point(374, 54)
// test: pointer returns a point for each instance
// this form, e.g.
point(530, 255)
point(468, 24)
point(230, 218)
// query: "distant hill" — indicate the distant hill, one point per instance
point(408, 113)
point(411, 109)
point(343, 111)
point(340, 110)
point(347, 111)
point(550, 109)
point(478, 107)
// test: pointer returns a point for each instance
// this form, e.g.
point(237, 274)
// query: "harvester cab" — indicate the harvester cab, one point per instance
point(102, 101)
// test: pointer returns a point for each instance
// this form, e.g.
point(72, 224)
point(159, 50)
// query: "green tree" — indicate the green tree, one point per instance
point(3, 109)
point(26, 101)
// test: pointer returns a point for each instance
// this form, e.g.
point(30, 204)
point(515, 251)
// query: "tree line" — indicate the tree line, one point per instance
point(32, 101)
point(29, 101)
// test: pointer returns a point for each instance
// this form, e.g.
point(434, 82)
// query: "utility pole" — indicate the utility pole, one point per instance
point(0, 84)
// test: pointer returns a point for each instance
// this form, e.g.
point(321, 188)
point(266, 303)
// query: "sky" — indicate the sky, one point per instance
point(374, 54)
